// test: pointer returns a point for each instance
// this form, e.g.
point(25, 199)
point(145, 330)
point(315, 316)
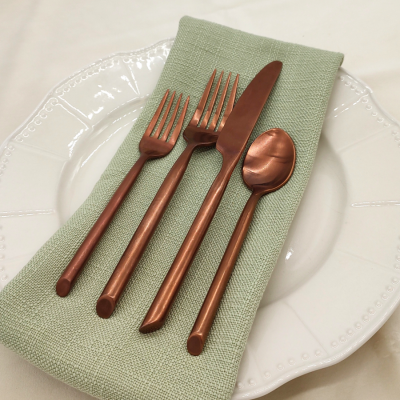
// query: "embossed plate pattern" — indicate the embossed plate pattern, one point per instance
point(337, 279)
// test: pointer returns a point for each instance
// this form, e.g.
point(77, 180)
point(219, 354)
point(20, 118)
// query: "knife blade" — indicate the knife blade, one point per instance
point(231, 143)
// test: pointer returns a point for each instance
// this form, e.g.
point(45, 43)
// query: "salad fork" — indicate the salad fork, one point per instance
point(196, 135)
point(155, 146)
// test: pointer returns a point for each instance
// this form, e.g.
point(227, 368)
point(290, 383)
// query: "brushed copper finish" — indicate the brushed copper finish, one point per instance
point(231, 144)
point(150, 147)
point(268, 165)
point(195, 136)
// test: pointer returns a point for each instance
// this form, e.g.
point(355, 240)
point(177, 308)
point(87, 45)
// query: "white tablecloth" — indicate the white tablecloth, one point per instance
point(44, 41)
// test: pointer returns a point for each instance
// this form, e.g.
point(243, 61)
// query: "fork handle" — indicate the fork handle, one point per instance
point(165, 297)
point(205, 318)
point(75, 267)
point(119, 279)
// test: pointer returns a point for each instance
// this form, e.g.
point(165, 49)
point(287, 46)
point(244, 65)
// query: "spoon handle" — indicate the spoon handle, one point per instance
point(205, 318)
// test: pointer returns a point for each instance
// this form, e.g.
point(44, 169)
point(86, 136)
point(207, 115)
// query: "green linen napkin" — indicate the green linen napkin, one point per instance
point(110, 359)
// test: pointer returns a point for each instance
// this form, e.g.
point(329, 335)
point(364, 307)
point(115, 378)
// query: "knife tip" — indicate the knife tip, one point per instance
point(278, 63)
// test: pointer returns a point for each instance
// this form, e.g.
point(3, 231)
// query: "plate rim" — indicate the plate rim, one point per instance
point(49, 94)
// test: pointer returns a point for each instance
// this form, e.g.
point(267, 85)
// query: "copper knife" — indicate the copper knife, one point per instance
point(231, 143)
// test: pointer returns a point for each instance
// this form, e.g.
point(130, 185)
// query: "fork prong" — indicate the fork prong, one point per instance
point(200, 107)
point(157, 133)
point(171, 122)
point(156, 115)
point(207, 115)
point(220, 104)
point(179, 124)
point(229, 106)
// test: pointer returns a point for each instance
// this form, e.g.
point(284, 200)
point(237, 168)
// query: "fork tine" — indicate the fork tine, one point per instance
point(203, 101)
point(220, 104)
point(212, 102)
point(179, 124)
point(156, 115)
point(157, 133)
point(171, 122)
point(229, 106)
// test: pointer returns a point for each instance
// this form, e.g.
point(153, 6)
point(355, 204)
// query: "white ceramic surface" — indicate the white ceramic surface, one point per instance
point(337, 280)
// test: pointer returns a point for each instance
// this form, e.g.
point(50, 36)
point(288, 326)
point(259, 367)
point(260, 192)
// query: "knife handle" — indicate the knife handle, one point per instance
point(75, 267)
point(165, 297)
point(123, 271)
point(205, 318)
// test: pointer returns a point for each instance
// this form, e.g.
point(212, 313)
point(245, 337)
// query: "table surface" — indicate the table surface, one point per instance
point(44, 41)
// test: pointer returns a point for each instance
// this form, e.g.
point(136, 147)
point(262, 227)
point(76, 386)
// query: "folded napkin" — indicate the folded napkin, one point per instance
point(110, 359)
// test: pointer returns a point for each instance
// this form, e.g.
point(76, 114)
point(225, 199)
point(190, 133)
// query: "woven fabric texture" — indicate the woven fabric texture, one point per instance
point(110, 359)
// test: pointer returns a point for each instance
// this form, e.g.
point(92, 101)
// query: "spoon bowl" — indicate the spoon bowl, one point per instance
point(269, 163)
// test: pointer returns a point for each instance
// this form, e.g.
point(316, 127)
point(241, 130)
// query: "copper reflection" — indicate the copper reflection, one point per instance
point(231, 144)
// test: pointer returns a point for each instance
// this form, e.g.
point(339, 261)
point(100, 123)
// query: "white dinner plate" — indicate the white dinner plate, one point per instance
point(337, 279)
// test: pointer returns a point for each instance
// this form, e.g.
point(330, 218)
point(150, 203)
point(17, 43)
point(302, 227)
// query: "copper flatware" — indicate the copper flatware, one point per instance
point(268, 165)
point(196, 135)
point(150, 147)
point(231, 144)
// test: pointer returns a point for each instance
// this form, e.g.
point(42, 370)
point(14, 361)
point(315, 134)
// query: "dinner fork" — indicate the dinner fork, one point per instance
point(150, 147)
point(196, 135)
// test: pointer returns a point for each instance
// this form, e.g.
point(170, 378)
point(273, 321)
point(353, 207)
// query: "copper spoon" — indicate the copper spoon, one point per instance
point(268, 165)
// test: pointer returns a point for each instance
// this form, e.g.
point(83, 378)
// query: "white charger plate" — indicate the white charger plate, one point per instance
point(337, 279)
